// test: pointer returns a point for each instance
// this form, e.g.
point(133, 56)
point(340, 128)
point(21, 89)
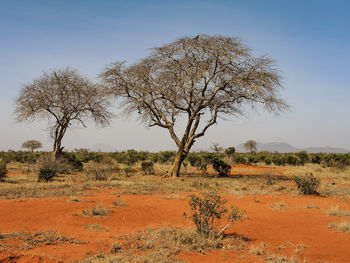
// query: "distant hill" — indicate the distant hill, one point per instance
point(282, 147)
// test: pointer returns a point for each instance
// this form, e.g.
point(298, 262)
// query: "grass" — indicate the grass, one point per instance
point(312, 206)
point(97, 228)
point(335, 211)
point(119, 203)
point(343, 226)
point(163, 245)
point(97, 211)
point(262, 183)
point(276, 258)
point(278, 206)
point(24, 241)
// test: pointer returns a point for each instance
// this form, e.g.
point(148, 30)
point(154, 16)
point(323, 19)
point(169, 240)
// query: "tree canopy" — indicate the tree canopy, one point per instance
point(64, 98)
point(201, 79)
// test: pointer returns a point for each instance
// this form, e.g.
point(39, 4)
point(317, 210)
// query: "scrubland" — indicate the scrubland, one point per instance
point(111, 209)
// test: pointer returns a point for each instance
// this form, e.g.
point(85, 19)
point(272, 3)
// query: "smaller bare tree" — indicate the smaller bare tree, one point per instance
point(251, 146)
point(64, 98)
point(32, 145)
point(215, 147)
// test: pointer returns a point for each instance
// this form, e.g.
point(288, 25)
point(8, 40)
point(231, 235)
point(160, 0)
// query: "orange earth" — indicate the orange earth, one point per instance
point(281, 230)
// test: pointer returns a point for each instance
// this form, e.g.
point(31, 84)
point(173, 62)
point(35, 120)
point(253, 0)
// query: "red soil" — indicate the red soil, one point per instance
point(290, 227)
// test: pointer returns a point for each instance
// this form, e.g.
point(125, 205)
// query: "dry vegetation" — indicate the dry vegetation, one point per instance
point(169, 244)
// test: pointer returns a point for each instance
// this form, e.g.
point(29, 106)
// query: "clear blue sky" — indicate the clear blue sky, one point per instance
point(309, 39)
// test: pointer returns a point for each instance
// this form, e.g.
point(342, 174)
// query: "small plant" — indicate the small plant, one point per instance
point(3, 170)
point(97, 211)
point(210, 208)
point(128, 171)
point(115, 248)
point(147, 167)
point(97, 228)
point(307, 184)
point(221, 167)
point(343, 226)
point(47, 174)
point(335, 211)
point(278, 206)
point(47, 167)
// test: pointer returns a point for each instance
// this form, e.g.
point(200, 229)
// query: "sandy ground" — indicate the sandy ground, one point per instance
point(283, 231)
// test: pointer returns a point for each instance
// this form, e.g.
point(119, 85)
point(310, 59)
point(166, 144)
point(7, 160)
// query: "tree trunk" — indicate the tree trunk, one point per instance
point(179, 158)
point(57, 149)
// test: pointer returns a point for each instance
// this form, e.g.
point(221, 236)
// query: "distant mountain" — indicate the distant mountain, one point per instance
point(102, 148)
point(282, 147)
point(325, 150)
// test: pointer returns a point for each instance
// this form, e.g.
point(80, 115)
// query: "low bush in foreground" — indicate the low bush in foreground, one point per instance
point(210, 208)
point(307, 184)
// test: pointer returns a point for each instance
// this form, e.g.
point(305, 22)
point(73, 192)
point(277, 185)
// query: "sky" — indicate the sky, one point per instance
point(310, 41)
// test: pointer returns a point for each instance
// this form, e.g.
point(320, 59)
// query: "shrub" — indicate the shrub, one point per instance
point(210, 208)
point(47, 174)
point(240, 159)
point(194, 159)
point(147, 167)
point(221, 167)
point(268, 161)
point(72, 160)
point(48, 167)
point(3, 169)
point(253, 159)
point(307, 184)
point(230, 151)
point(97, 211)
point(101, 171)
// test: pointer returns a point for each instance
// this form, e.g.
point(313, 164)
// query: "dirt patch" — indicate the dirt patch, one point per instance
point(276, 228)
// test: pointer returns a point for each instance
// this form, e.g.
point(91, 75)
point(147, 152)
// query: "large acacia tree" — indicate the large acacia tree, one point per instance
point(64, 98)
point(200, 79)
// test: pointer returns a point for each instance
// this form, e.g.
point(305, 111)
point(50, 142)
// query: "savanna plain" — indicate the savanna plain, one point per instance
point(121, 207)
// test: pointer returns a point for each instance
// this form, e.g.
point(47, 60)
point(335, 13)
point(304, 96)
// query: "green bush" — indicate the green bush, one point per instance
point(210, 208)
point(48, 167)
point(47, 174)
point(230, 151)
point(221, 167)
point(72, 160)
point(3, 170)
point(147, 167)
point(268, 161)
point(307, 184)
point(240, 159)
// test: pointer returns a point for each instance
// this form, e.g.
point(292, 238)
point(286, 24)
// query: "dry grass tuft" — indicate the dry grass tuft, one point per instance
point(278, 206)
point(334, 211)
point(97, 228)
point(24, 241)
point(343, 226)
point(162, 245)
point(97, 211)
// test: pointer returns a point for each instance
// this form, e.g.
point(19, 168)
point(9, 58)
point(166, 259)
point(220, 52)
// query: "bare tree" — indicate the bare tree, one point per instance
point(215, 147)
point(200, 79)
point(250, 146)
point(32, 145)
point(64, 98)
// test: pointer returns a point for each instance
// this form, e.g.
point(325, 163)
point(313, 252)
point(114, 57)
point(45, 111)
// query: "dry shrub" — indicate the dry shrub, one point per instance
point(103, 170)
point(30, 241)
point(97, 211)
point(335, 211)
point(343, 226)
point(210, 208)
point(48, 167)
